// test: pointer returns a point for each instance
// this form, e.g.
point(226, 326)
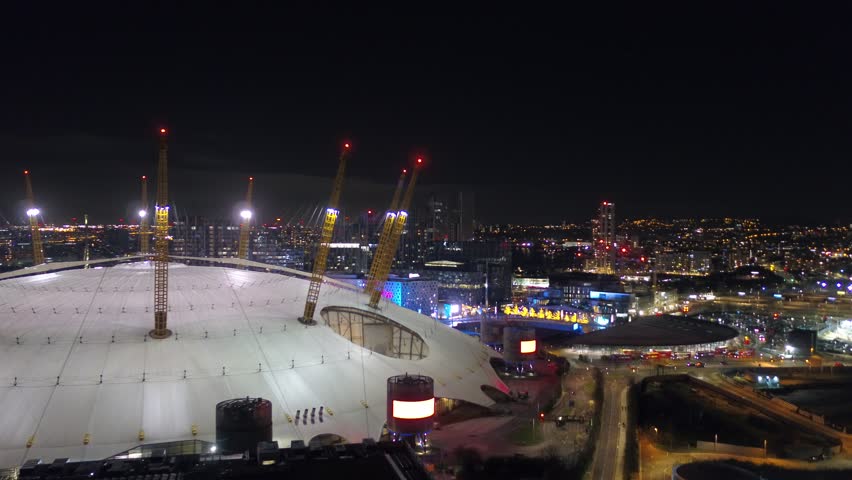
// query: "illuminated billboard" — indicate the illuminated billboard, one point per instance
point(413, 410)
point(528, 346)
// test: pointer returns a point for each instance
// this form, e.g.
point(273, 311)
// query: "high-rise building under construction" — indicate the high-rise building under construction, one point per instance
point(603, 231)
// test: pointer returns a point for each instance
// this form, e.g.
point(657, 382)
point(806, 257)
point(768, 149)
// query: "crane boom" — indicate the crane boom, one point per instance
point(384, 265)
point(161, 244)
point(321, 259)
point(32, 213)
point(387, 228)
point(245, 225)
point(144, 230)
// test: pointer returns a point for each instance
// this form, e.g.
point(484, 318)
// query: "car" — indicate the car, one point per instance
point(699, 365)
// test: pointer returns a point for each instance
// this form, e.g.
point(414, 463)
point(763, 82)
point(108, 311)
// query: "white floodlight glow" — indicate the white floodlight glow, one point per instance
point(246, 214)
point(33, 212)
point(142, 213)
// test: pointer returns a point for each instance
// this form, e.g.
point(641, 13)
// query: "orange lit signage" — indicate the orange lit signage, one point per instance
point(413, 410)
point(528, 346)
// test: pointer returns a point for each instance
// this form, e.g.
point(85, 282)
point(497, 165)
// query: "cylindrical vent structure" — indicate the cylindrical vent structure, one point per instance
point(489, 332)
point(411, 404)
point(519, 344)
point(241, 423)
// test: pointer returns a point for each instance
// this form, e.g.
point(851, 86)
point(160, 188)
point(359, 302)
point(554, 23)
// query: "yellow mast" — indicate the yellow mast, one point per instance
point(384, 266)
point(161, 244)
point(144, 233)
point(321, 258)
point(384, 239)
point(32, 213)
point(245, 225)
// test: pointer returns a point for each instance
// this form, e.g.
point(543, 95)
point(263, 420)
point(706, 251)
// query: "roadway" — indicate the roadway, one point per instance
point(608, 462)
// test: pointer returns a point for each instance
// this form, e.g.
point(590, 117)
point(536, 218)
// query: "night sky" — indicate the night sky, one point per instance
point(731, 111)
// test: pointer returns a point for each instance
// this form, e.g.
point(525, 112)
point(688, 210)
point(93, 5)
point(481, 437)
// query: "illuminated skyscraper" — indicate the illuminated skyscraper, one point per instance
point(603, 231)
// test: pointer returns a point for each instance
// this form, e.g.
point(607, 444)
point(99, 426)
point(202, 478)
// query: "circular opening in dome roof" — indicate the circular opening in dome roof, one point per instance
point(375, 332)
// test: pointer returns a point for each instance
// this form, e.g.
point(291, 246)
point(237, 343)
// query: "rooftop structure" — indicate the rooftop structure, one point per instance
point(658, 330)
point(85, 380)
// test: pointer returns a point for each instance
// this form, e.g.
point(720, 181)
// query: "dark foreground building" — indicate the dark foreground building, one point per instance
point(369, 459)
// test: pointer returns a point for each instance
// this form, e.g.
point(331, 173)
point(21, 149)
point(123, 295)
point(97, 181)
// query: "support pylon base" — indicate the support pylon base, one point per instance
point(160, 334)
point(307, 321)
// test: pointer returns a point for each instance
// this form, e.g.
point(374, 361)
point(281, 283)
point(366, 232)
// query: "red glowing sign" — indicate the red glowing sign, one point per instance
point(413, 410)
point(528, 346)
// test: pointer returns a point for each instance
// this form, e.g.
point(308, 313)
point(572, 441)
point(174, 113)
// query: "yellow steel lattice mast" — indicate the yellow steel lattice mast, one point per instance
point(384, 266)
point(144, 230)
point(161, 243)
point(32, 214)
point(321, 258)
point(387, 228)
point(245, 225)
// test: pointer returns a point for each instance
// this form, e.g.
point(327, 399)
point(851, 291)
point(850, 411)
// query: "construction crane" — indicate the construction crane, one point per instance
point(161, 244)
point(321, 257)
point(384, 265)
point(32, 213)
point(144, 234)
point(387, 229)
point(245, 225)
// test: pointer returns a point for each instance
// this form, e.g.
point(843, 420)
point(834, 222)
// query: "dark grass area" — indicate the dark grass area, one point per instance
point(683, 415)
point(834, 401)
point(778, 473)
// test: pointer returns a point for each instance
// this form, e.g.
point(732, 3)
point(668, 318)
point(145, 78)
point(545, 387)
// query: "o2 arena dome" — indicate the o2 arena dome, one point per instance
point(81, 379)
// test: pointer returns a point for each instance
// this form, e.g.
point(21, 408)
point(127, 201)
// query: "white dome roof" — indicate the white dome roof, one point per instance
point(81, 324)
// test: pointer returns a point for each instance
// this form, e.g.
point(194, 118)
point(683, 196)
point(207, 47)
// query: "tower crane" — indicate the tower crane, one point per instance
point(161, 243)
point(32, 213)
point(383, 268)
point(321, 258)
point(387, 229)
point(245, 225)
point(144, 233)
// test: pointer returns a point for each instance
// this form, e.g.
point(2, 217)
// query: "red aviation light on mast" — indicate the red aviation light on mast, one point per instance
point(346, 145)
point(26, 172)
point(419, 160)
point(162, 131)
